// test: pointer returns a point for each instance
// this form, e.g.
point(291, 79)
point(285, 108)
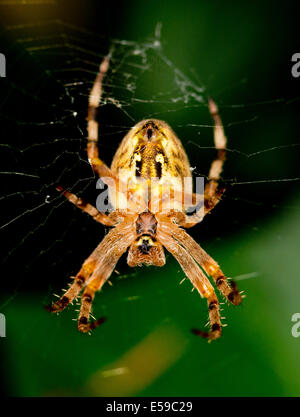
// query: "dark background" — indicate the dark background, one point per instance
point(242, 55)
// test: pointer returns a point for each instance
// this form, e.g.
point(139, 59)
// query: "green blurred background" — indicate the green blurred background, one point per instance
point(241, 54)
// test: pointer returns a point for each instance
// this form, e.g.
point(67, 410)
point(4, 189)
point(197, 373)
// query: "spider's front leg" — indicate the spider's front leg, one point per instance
point(199, 281)
point(107, 260)
point(87, 298)
point(214, 319)
point(95, 272)
point(227, 288)
point(75, 288)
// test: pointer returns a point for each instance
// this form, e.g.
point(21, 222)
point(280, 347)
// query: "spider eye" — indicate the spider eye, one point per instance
point(145, 243)
point(145, 246)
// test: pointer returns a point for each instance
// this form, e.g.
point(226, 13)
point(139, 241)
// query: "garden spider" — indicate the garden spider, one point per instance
point(150, 149)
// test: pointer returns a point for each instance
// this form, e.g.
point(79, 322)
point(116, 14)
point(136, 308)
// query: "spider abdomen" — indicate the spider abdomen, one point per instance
point(150, 160)
point(151, 149)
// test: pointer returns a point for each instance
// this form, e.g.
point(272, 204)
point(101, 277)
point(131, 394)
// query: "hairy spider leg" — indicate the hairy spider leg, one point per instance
point(227, 288)
point(113, 241)
point(213, 192)
point(199, 281)
point(100, 275)
point(99, 166)
point(86, 207)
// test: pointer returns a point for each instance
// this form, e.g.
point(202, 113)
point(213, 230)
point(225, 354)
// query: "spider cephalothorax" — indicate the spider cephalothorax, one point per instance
point(146, 249)
point(146, 184)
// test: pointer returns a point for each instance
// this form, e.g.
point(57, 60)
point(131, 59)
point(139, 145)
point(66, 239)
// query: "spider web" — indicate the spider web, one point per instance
point(43, 113)
point(48, 141)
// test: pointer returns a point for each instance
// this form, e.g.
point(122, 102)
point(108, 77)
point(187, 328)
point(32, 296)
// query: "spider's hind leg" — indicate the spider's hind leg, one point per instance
point(213, 191)
point(86, 207)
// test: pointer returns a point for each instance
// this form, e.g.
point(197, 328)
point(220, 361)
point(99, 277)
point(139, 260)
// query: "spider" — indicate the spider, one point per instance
point(150, 149)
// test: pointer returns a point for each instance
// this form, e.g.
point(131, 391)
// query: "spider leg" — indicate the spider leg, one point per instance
point(94, 99)
point(230, 291)
point(87, 208)
point(188, 221)
point(166, 202)
point(75, 288)
point(86, 306)
point(99, 166)
point(114, 239)
point(200, 282)
point(106, 265)
point(212, 192)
